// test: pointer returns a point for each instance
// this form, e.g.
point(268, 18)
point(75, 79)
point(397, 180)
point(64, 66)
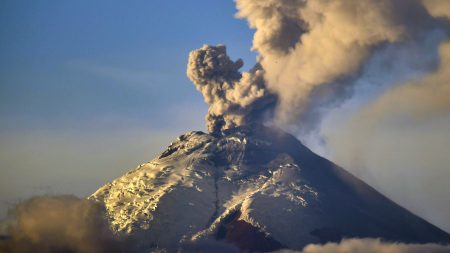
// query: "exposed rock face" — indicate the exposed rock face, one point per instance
point(259, 189)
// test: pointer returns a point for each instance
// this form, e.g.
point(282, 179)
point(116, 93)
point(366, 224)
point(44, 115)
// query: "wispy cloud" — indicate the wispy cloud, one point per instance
point(135, 78)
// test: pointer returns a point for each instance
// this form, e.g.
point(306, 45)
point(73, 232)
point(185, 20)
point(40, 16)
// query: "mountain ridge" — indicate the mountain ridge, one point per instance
point(259, 183)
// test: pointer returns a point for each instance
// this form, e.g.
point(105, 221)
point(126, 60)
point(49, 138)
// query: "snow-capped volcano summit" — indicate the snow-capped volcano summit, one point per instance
point(255, 187)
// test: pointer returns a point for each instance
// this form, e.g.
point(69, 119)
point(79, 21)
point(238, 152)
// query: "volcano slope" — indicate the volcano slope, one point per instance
point(257, 188)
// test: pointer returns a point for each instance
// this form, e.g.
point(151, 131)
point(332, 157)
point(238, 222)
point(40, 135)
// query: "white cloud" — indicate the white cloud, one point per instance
point(371, 246)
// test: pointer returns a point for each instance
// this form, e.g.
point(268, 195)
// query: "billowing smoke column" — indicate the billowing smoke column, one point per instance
point(234, 98)
point(308, 49)
point(308, 44)
point(356, 80)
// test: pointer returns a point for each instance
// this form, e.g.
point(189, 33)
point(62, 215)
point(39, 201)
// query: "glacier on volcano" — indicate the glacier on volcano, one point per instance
point(257, 188)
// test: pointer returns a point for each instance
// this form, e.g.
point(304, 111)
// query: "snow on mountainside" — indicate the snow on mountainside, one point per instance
point(257, 188)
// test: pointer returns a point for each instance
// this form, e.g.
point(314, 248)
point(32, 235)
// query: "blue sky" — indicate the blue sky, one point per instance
point(66, 61)
point(90, 89)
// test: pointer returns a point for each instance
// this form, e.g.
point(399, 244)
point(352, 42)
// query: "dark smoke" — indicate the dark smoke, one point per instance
point(234, 98)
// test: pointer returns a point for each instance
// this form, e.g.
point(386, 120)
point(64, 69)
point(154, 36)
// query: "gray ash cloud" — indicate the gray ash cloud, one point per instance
point(310, 53)
point(234, 98)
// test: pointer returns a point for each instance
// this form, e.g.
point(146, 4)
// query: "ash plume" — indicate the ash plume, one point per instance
point(406, 122)
point(234, 98)
point(309, 51)
point(348, 78)
point(305, 45)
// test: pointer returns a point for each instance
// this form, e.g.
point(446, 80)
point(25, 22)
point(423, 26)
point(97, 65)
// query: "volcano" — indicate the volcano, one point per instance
point(254, 187)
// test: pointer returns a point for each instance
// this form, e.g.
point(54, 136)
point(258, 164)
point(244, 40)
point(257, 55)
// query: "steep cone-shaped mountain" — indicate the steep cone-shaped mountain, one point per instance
point(259, 189)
